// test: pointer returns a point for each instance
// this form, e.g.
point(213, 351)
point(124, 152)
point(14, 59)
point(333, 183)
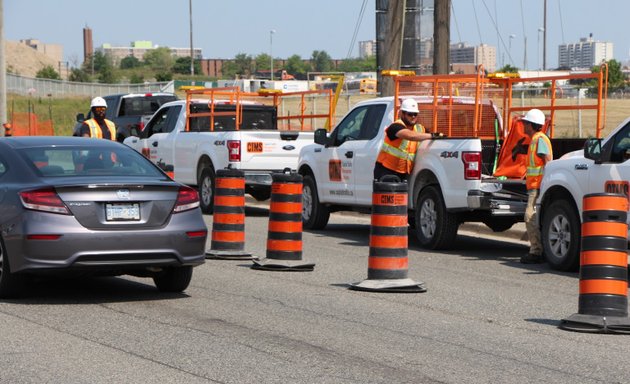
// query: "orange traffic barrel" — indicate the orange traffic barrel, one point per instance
point(228, 220)
point(388, 256)
point(284, 234)
point(603, 298)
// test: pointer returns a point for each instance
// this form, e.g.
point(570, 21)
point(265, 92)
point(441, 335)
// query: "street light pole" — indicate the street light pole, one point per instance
point(271, 50)
point(192, 57)
point(540, 30)
point(510, 48)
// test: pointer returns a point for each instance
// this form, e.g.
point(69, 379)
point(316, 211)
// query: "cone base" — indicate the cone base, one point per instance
point(392, 285)
point(228, 255)
point(283, 265)
point(596, 324)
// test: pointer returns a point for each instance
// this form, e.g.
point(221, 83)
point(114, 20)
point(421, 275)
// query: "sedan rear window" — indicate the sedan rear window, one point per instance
point(91, 161)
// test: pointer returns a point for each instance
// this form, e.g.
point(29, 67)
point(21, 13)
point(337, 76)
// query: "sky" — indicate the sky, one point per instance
point(225, 28)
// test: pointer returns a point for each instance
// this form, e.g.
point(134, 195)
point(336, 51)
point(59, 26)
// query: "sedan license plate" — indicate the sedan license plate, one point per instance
point(122, 212)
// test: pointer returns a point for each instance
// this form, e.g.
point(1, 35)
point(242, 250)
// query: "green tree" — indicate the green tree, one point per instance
point(262, 62)
point(508, 69)
point(163, 76)
point(79, 75)
point(182, 65)
point(229, 70)
point(159, 59)
point(244, 64)
point(48, 72)
point(358, 64)
point(616, 79)
point(107, 75)
point(136, 78)
point(321, 61)
point(297, 67)
point(130, 62)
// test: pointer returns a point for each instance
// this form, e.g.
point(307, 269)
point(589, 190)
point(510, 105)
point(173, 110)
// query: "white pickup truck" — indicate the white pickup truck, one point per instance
point(446, 187)
point(602, 166)
point(224, 133)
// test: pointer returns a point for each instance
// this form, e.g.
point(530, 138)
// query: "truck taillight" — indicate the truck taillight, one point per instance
point(234, 150)
point(472, 165)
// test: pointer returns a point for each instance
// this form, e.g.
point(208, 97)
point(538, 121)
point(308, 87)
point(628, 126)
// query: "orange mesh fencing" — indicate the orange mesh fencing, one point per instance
point(27, 124)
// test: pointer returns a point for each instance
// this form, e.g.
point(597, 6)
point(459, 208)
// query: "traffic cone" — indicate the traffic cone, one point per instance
point(284, 235)
point(388, 261)
point(603, 301)
point(228, 224)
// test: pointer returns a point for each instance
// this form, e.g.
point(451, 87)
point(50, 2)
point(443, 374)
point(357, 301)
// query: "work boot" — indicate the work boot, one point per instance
point(531, 258)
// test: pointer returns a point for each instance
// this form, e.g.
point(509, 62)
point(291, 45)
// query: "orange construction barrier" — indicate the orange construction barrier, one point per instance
point(284, 235)
point(228, 224)
point(603, 301)
point(388, 261)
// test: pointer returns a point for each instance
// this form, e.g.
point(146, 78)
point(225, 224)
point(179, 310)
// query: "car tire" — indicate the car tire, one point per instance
point(174, 279)
point(561, 235)
point(436, 228)
point(206, 190)
point(314, 214)
point(10, 284)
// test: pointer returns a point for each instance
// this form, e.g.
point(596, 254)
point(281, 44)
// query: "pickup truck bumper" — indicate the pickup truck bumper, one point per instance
point(496, 203)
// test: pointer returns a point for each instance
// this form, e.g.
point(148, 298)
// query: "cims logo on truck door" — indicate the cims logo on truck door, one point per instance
point(255, 147)
point(619, 187)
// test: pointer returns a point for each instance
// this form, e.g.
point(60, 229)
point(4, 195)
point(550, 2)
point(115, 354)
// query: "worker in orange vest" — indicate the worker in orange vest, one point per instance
point(8, 128)
point(539, 153)
point(98, 126)
point(398, 151)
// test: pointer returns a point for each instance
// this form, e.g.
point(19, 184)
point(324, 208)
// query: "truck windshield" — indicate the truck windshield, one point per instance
point(254, 117)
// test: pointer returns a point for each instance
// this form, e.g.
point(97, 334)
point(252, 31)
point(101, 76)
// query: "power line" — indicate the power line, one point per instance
point(356, 28)
point(459, 36)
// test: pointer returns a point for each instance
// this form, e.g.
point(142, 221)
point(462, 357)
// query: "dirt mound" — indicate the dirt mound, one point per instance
point(25, 61)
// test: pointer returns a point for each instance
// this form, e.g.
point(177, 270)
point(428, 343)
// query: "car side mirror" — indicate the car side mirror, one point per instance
point(80, 117)
point(321, 136)
point(593, 150)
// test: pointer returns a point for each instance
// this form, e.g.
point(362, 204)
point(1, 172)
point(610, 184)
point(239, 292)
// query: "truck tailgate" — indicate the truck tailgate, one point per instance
point(272, 150)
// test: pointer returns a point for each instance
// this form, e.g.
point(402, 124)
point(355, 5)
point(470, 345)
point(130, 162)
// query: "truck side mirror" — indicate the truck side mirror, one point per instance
point(321, 137)
point(80, 117)
point(593, 150)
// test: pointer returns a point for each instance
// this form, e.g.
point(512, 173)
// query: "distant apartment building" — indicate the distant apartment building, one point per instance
point(584, 54)
point(137, 49)
point(483, 54)
point(367, 48)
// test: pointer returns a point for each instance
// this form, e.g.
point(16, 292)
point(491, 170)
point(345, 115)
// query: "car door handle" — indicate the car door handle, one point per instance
point(155, 143)
point(581, 167)
point(349, 154)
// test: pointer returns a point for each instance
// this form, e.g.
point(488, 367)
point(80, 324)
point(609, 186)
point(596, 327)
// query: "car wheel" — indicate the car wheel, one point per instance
point(174, 279)
point(206, 190)
point(10, 284)
point(435, 227)
point(561, 236)
point(314, 214)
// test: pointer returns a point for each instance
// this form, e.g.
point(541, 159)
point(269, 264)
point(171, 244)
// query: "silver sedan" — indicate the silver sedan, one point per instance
point(71, 205)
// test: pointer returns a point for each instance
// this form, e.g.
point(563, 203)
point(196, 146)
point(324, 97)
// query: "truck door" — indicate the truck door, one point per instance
point(613, 174)
point(157, 140)
point(366, 149)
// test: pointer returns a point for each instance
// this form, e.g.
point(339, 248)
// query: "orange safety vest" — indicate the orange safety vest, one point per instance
point(535, 165)
point(95, 129)
point(399, 154)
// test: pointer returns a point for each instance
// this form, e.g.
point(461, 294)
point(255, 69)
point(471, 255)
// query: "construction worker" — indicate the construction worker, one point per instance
point(98, 126)
point(539, 153)
point(8, 128)
point(398, 151)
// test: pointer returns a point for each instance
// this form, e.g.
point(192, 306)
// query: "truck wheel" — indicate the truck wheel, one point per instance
point(314, 214)
point(435, 227)
point(206, 190)
point(561, 236)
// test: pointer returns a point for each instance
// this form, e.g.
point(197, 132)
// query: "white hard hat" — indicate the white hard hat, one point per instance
point(535, 116)
point(409, 105)
point(98, 102)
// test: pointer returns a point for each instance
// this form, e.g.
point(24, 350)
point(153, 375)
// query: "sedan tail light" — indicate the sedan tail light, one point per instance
point(187, 199)
point(45, 199)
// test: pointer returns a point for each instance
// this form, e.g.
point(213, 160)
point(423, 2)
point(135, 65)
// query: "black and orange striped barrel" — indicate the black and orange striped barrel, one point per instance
point(388, 231)
point(603, 258)
point(284, 235)
point(228, 225)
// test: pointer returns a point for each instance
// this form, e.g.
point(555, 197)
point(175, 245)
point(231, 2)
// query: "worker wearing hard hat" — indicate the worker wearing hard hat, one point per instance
point(98, 126)
point(398, 151)
point(539, 153)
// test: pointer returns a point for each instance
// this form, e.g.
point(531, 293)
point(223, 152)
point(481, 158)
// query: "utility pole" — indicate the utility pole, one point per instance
point(544, 65)
point(192, 57)
point(3, 73)
point(393, 43)
point(441, 36)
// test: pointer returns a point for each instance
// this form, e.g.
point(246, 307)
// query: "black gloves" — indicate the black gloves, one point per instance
point(435, 135)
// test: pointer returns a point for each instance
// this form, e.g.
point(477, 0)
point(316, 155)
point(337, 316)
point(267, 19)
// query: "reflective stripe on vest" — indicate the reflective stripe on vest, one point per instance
point(399, 154)
point(535, 165)
point(95, 129)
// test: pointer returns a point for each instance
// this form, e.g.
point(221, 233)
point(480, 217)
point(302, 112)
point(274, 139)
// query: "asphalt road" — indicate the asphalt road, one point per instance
point(484, 319)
